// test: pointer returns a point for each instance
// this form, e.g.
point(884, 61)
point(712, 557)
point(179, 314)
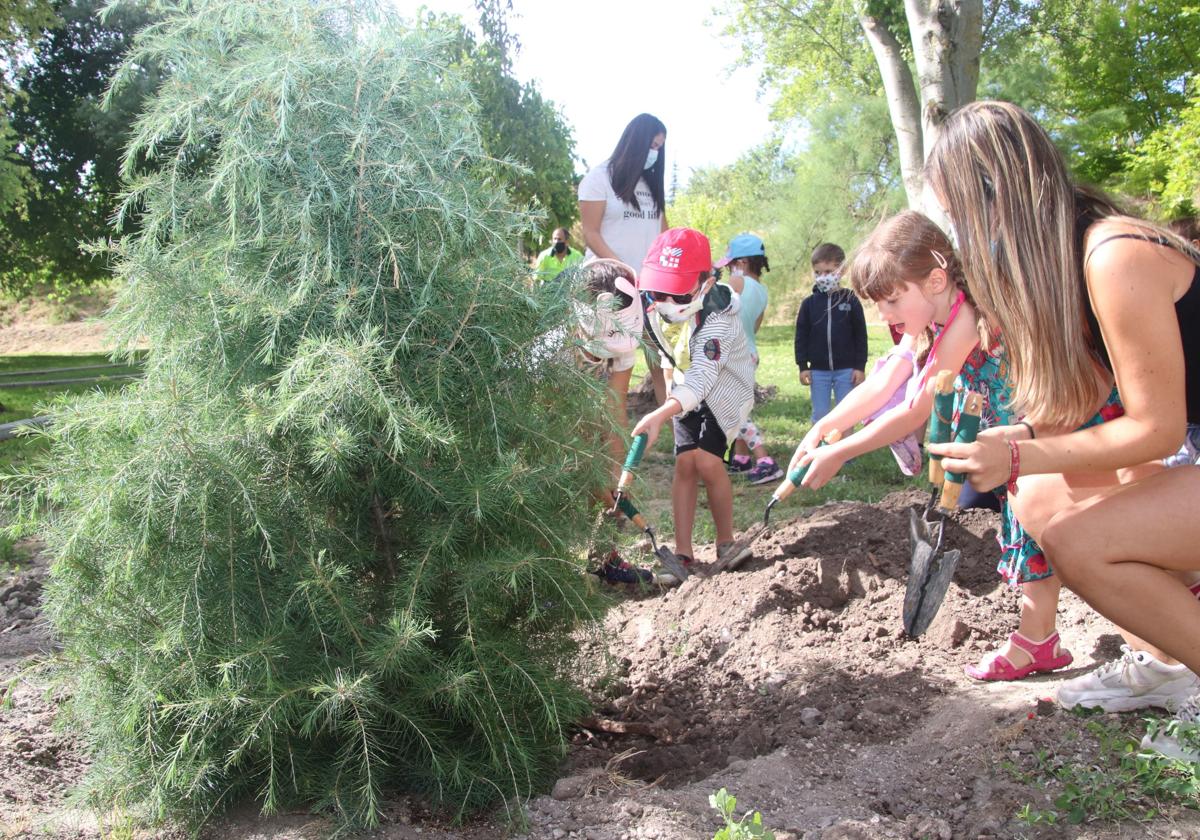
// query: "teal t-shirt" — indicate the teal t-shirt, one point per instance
point(754, 303)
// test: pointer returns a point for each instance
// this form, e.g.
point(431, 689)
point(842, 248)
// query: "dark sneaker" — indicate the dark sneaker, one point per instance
point(616, 570)
point(739, 464)
point(764, 472)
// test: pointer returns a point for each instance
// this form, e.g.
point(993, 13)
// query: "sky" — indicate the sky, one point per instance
point(605, 61)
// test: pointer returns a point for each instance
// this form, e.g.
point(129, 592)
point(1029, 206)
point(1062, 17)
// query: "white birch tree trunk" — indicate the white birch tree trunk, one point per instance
point(903, 105)
point(947, 36)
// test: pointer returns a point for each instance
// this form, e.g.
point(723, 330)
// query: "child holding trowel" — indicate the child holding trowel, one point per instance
point(909, 268)
point(714, 401)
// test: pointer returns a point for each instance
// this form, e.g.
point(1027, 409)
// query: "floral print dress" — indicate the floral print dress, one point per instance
point(986, 373)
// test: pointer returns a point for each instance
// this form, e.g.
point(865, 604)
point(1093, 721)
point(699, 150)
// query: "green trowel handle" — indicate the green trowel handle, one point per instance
point(636, 451)
point(797, 475)
point(626, 507)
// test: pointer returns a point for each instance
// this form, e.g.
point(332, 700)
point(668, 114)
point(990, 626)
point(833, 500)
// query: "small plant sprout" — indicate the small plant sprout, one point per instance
point(749, 827)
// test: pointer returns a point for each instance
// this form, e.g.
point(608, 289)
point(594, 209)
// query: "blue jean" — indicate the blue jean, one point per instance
point(824, 382)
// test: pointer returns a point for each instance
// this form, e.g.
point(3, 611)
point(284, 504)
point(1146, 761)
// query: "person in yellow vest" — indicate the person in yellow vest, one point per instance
point(557, 258)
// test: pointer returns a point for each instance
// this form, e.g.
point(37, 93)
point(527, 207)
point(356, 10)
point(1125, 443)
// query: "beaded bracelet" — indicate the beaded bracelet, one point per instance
point(1014, 454)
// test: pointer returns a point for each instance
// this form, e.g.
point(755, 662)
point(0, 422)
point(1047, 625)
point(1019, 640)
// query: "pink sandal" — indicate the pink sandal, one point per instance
point(997, 667)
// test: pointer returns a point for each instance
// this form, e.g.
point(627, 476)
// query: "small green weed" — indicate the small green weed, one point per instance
point(749, 827)
point(1120, 783)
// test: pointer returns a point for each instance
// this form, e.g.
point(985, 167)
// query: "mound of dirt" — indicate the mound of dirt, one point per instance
point(790, 682)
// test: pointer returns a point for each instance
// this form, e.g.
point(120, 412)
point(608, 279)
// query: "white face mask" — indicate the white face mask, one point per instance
point(826, 282)
point(651, 158)
point(676, 313)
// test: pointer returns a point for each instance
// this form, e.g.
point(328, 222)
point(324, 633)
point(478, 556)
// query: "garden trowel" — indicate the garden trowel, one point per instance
point(931, 567)
point(669, 560)
point(740, 551)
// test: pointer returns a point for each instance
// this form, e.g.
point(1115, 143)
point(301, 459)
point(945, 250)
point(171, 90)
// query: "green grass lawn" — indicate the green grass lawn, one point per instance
point(783, 421)
point(20, 403)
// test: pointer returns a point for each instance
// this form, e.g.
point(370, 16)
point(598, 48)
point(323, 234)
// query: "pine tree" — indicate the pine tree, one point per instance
point(329, 546)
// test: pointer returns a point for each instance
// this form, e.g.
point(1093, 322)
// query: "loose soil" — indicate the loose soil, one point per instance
point(787, 682)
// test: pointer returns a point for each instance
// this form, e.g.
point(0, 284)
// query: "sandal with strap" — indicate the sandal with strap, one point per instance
point(997, 667)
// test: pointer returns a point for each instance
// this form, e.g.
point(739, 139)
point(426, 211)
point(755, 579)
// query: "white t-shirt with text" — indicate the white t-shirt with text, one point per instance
point(628, 231)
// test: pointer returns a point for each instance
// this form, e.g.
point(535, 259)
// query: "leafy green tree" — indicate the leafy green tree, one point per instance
point(1166, 164)
point(1103, 75)
point(328, 547)
point(21, 23)
point(70, 145)
point(822, 49)
point(835, 187)
point(516, 123)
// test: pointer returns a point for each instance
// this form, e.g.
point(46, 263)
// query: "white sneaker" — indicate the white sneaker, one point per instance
point(1170, 740)
point(1135, 681)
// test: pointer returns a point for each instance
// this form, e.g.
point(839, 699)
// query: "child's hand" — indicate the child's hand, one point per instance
point(811, 440)
point(650, 424)
point(799, 458)
point(823, 465)
point(806, 377)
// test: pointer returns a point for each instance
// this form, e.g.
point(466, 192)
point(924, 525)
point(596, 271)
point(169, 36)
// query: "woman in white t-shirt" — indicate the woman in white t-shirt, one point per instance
point(622, 203)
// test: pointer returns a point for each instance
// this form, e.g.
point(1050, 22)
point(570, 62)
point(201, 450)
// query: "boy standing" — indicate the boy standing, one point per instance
point(714, 401)
point(831, 333)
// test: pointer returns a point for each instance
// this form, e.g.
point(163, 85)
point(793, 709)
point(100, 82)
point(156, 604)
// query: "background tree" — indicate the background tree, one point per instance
point(321, 551)
point(824, 45)
point(1103, 76)
point(21, 23)
point(838, 182)
point(70, 145)
point(516, 124)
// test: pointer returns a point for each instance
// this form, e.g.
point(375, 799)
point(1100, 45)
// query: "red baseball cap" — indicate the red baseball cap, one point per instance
point(675, 261)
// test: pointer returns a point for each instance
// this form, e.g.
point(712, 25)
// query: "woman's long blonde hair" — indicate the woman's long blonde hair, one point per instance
point(1020, 224)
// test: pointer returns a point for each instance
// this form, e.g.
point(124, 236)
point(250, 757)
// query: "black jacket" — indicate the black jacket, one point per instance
point(831, 332)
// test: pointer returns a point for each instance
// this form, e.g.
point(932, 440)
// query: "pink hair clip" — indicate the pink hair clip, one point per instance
point(941, 260)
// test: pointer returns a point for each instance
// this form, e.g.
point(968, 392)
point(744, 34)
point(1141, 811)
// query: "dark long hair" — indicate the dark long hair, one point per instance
point(626, 162)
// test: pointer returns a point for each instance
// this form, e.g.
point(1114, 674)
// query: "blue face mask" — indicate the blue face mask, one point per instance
point(651, 158)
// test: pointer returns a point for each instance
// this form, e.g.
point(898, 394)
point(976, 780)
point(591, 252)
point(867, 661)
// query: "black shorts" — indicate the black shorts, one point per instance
point(699, 429)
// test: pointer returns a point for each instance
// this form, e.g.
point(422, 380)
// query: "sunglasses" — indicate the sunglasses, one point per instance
point(663, 297)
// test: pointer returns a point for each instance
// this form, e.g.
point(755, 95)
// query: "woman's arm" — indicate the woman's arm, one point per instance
point(591, 214)
point(1133, 286)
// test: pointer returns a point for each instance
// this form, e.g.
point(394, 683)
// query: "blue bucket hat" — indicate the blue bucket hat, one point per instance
point(742, 245)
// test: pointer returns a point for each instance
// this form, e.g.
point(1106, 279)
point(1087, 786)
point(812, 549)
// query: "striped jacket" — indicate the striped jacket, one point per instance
point(721, 373)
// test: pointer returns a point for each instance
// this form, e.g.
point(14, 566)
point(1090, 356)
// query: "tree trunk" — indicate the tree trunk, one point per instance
point(947, 36)
point(903, 106)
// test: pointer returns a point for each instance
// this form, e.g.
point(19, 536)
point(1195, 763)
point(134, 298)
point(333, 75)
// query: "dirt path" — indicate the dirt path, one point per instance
point(786, 682)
